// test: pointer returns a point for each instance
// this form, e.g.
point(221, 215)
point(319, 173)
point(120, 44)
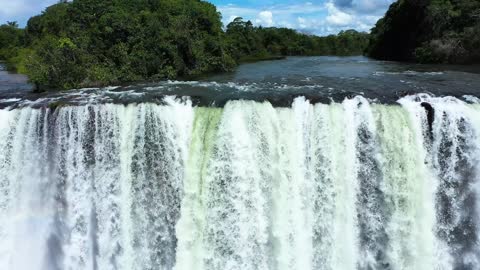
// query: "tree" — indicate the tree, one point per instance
point(11, 40)
point(83, 43)
point(438, 31)
point(12, 24)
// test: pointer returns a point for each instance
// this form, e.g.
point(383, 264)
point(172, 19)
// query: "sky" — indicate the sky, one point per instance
point(319, 17)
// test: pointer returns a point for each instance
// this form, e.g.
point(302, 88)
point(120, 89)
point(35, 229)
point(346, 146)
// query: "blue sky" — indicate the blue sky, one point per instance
point(321, 17)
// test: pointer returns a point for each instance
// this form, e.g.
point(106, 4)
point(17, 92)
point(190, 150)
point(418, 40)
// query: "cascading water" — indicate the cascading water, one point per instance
point(349, 185)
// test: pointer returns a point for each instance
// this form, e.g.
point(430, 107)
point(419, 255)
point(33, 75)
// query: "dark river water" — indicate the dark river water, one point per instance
point(319, 79)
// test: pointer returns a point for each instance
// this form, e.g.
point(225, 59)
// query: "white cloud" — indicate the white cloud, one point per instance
point(363, 6)
point(334, 21)
point(318, 18)
point(302, 23)
point(230, 12)
point(337, 17)
point(281, 15)
point(232, 17)
point(265, 18)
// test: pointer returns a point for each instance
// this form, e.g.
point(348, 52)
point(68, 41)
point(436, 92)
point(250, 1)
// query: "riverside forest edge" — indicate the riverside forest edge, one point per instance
point(86, 43)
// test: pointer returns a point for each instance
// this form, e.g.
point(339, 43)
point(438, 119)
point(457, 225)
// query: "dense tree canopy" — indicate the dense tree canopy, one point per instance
point(246, 41)
point(12, 39)
point(430, 31)
point(88, 42)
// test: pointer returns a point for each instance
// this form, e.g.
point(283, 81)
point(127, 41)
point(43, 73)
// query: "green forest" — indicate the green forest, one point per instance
point(93, 43)
point(428, 31)
point(84, 43)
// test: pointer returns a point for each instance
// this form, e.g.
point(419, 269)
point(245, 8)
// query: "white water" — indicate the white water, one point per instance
point(341, 186)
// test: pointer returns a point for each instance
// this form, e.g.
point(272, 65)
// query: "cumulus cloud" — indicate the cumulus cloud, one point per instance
point(302, 22)
point(265, 18)
point(337, 17)
point(232, 17)
point(363, 6)
point(317, 17)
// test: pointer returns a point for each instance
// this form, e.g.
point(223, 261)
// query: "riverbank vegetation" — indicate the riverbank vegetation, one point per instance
point(12, 39)
point(428, 31)
point(245, 41)
point(92, 43)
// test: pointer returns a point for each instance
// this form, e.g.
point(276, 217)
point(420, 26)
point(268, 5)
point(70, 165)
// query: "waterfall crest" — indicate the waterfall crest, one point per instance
point(350, 185)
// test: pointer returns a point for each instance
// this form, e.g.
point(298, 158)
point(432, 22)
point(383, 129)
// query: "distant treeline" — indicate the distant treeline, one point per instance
point(243, 40)
point(93, 43)
point(429, 31)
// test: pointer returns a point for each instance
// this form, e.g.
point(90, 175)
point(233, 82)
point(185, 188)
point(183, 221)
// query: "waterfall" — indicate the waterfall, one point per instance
point(351, 185)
